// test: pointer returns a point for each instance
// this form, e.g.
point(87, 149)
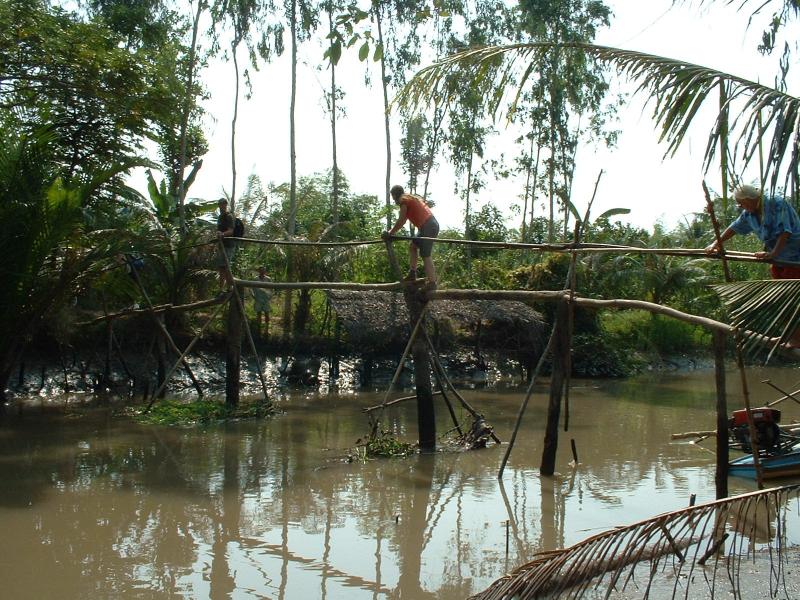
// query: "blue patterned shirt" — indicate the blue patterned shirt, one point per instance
point(777, 217)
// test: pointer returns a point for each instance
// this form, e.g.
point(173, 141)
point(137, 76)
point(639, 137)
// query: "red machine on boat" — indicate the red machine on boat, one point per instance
point(778, 449)
point(768, 433)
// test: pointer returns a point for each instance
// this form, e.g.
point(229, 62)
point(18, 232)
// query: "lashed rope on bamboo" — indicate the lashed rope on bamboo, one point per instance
point(607, 560)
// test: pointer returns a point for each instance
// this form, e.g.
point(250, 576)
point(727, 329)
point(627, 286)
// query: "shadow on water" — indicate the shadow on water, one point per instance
point(109, 508)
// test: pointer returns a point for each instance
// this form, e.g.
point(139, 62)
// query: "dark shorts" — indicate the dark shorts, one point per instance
point(220, 258)
point(785, 271)
point(429, 229)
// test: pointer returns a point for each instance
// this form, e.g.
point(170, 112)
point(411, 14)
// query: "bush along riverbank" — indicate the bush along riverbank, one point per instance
point(622, 345)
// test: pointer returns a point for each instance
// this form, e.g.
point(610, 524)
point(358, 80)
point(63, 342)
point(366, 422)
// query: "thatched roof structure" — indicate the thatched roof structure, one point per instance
point(375, 321)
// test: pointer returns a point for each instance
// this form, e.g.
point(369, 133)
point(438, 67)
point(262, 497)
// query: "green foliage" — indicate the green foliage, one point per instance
point(386, 445)
point(47, 253)
point(104, 96)
point(654, 334)
point(200, 412)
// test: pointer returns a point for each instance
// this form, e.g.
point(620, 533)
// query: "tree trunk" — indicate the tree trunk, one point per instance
point(161, 360)
point(233, 352)
point(290, 225)
point(528, 170)
point(335, 174)
point(560, 355)
point(385, 86)
point(302, 313)
point(535, 182)
point(467, 220)
point(436, 126)
point(234, 46)
point(185, 116)
point(290, 222)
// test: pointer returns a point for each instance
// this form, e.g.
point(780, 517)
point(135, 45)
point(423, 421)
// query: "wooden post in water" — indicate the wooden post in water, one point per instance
point(426, 416)
point(233, 350)
point(721, 475)
point(560, 361)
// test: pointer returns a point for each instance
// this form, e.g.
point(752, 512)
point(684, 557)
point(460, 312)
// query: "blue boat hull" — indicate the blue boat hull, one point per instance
point(781, 465)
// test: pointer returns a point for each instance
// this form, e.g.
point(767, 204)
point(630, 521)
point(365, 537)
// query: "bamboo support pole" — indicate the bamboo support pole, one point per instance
point(571, 315)
point(739, 352)
point(160, 308)
point(701, 435)
point(447, 402)
point(162, 328)
point(722, 446)
point(399, 368)
point(120, 355)
point(785, 393)
point(246, 326)
point(319, 285)
point(395, 401)
point(438, 365)
point(524, 405)
point(184, 354)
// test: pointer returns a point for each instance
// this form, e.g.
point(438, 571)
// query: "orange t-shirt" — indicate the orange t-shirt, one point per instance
point(416, 209)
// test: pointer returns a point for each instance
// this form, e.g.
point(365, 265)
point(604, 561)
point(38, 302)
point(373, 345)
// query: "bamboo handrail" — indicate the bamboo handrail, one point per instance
point(319, 285)
point(132, 312)
point(565, 247)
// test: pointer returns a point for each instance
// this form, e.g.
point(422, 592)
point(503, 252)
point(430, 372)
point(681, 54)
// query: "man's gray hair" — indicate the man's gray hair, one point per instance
point(747, 192)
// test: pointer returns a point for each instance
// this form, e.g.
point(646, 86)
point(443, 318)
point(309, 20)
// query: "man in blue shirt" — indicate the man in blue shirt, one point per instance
point(776, 223)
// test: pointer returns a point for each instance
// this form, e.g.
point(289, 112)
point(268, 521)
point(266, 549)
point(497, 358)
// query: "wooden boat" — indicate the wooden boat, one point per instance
point(779, 449)
point(773, 466)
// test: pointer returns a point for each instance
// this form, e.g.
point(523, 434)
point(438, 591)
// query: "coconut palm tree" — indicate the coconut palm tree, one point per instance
point(676, 90)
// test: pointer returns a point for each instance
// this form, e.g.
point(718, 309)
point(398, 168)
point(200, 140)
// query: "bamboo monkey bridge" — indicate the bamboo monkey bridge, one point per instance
point(425, 357)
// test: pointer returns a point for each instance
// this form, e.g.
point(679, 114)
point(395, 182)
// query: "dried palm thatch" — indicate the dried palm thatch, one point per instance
point(768, 308)
point(379, 320)
point(728, 529)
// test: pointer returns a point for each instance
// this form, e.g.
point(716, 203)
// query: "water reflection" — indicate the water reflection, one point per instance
point(107, 508)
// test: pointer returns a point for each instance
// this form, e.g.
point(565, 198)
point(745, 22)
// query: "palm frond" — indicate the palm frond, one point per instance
point(758, 308)
point(677, 90)
point(683, 538)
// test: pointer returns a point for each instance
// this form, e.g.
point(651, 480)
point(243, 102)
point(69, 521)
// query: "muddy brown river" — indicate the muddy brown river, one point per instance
point(96, 506)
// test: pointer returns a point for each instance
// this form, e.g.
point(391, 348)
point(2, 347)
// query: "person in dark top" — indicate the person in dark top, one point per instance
point(414, 209)
point(225, 223)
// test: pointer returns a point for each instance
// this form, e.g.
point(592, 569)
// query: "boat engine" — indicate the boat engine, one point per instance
point(765, 421)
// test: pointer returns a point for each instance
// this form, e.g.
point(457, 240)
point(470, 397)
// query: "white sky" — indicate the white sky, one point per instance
point(635, 176)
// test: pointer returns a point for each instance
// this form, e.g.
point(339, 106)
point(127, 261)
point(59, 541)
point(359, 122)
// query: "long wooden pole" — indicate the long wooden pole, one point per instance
point(739, 352)
point(723, 444)
point(246, 327)
point(524, 405)
point(162, 328)
point(399, 368)
point(438, 365)
point(184, 354)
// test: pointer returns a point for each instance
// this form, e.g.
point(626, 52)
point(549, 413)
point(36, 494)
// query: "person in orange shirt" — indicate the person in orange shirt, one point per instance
point(414, 209)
